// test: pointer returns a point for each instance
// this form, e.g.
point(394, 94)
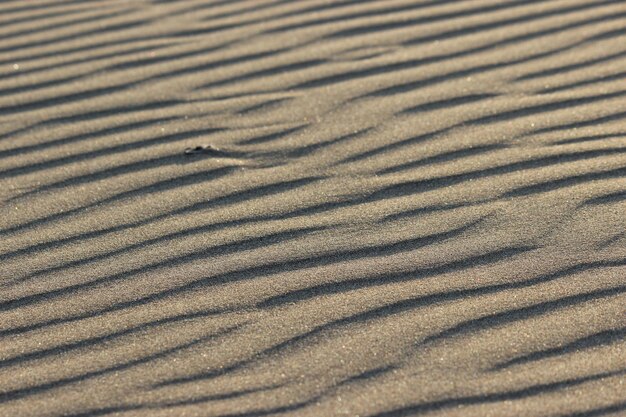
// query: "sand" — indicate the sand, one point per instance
point(403, 208)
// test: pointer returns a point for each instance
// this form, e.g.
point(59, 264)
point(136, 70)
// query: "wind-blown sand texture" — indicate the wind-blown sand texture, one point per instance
point(411, 208)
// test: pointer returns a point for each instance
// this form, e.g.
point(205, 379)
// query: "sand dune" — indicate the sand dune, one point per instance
point(409, 208)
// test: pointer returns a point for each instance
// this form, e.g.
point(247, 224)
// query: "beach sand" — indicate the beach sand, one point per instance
point(404, 208)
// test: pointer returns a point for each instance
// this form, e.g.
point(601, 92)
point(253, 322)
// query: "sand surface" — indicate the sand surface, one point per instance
point(409, 208)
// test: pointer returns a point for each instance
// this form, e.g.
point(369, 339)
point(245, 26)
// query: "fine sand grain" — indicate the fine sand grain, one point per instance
point(313, 208)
